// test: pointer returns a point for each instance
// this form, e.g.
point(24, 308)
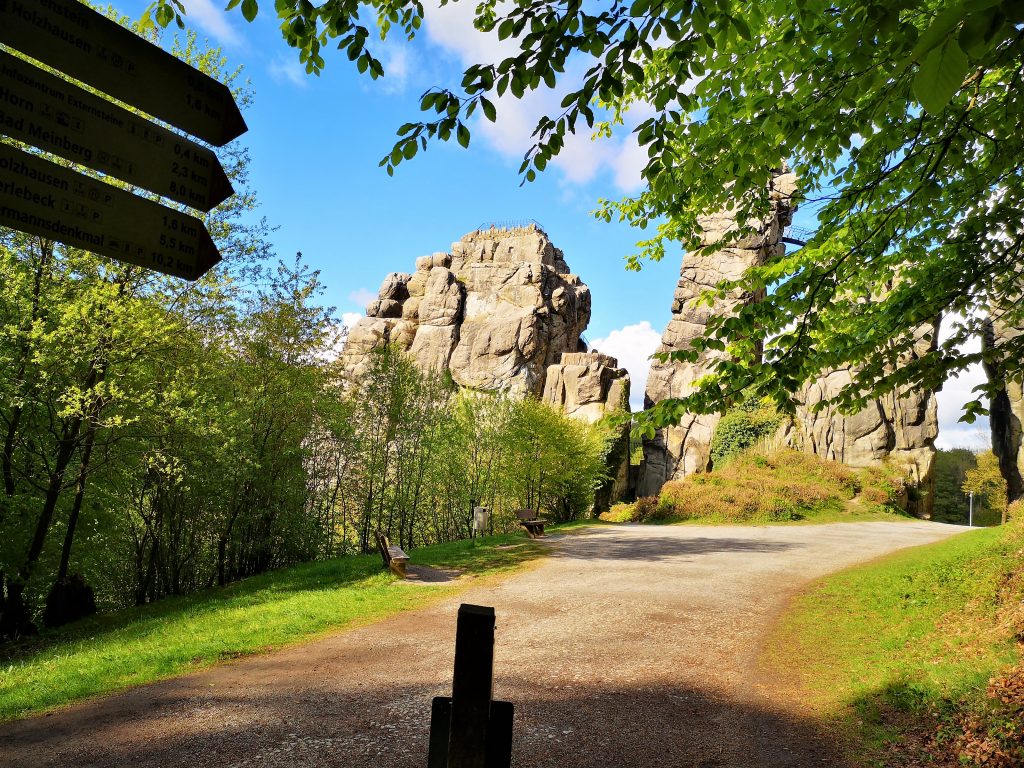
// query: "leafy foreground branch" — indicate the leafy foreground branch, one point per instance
point(901, 121)
point(917, 657)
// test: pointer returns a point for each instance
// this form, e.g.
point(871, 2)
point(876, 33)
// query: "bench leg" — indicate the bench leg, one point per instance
point(398, 568)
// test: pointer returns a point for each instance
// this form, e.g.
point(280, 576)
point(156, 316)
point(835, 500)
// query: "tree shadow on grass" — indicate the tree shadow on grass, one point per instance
point(323, 576)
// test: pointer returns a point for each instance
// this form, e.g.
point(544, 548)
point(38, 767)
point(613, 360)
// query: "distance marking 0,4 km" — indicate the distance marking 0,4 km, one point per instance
point(59, 117)
point(85, 44)
point(45, 199)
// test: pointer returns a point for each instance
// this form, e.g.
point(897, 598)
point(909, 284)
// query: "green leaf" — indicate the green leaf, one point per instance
point(742, 28)
point(979, 32)
point(462, 134)
point(940, 76)
point(938, 33)
point(1013, 10)
point(489, 111)
point(249, 9)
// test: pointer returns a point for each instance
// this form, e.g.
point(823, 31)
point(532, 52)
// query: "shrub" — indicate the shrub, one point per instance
point(644, 508)
point(1015, 511)
point(619, 513)
point(741, 428)
point(778, 486)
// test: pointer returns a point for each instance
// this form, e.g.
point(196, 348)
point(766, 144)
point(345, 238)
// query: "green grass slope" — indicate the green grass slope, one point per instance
point(181, 635)
point(915, 657)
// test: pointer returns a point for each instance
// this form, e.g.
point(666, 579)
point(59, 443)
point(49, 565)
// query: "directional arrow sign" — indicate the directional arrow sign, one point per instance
point(82, 43)
point(59, 117)
point(42, 198)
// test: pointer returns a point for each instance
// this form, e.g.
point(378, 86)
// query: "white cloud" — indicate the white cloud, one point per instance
point(628, 164)
point(361, 297)
point(288, 68)
point(632, 345)
point(950, 400)
point(954, 393)
point(396, 60)
point(450, 27)
point(348, 319)
point(212, 20)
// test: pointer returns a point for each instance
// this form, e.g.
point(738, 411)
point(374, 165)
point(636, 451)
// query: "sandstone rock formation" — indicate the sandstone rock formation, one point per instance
point(897, 429)
point(588, 386)
point(1006, 410)
point(495, 312)
point(684, 449)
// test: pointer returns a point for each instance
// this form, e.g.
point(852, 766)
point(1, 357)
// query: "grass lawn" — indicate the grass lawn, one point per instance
point(258, 614)
point(910, 639)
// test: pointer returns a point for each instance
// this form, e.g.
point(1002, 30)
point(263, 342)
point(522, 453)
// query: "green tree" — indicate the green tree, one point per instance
point(988, 486)
point(83, 343)
point(900, 120)
point(951, 467)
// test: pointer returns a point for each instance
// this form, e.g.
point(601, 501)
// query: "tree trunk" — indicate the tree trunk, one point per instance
point(69, 535)
point(7, 461)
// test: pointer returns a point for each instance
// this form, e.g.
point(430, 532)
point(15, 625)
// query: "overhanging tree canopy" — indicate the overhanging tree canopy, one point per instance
point(900, 119)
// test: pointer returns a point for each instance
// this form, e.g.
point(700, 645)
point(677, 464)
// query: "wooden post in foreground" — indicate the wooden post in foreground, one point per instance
point(468, 730)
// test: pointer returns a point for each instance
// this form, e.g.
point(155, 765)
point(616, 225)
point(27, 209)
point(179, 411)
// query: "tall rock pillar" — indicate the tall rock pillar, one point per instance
point(681, 450)
point(495, 312)
point(1006, 411)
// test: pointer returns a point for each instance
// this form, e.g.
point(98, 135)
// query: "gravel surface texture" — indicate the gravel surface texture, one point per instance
point(628, 646)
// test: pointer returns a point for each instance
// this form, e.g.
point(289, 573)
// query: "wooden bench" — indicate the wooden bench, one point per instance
point(534, 525)
point(393, 557)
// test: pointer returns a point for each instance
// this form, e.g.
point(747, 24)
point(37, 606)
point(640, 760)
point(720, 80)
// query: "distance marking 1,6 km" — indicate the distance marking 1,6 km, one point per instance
point(45, 199)
point(85, 44)
point(59, 117)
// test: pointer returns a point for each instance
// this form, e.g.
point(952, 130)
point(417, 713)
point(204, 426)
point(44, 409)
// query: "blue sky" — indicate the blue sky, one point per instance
point(316, 142)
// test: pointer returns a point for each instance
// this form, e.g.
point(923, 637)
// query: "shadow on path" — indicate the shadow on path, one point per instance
point(653, 547)
point(574, 726)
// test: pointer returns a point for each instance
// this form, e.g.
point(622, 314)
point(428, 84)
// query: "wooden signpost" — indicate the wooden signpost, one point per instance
point(468, 729)
point(87, 45)
point(45, 199)
point(56, 116)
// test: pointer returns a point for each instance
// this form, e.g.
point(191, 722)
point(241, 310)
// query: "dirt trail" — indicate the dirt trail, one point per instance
point(630, 646)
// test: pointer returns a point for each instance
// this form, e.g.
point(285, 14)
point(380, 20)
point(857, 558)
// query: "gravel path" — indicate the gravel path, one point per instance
point(630, 646)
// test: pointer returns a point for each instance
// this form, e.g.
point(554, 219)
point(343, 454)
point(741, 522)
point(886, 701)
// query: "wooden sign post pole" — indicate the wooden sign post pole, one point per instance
point(471, 687)
point(468, 730)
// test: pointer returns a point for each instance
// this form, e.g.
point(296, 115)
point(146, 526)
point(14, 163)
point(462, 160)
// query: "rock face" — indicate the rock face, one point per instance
point(495, 312)
point(1006, 410)
point(899, 430)
point(588, 386)
point(684, 449)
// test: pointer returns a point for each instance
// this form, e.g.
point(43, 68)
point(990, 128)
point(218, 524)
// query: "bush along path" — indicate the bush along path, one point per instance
point(629, 645)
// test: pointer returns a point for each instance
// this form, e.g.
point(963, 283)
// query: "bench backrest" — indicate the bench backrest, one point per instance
point(383, 546)
point(526, 514)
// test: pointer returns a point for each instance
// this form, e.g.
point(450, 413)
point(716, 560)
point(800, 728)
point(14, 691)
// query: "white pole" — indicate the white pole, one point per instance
point(970, 514)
